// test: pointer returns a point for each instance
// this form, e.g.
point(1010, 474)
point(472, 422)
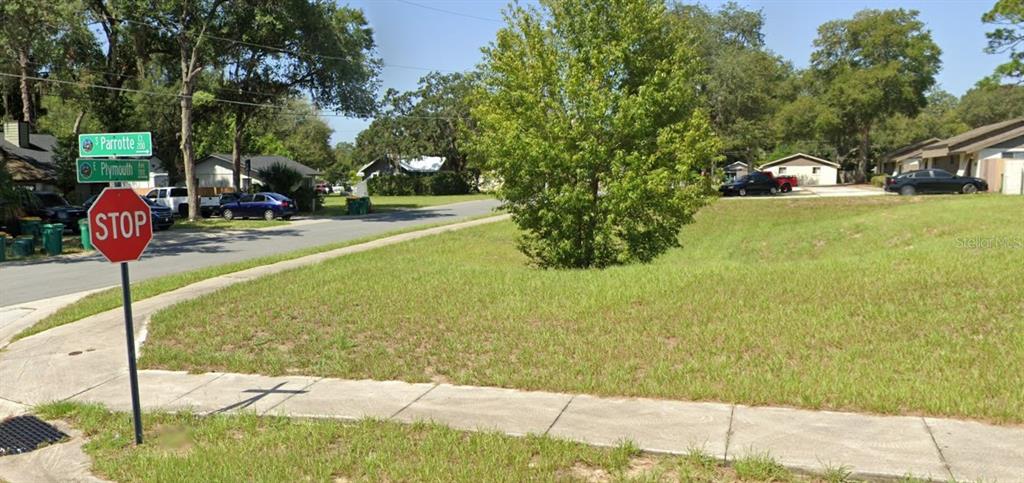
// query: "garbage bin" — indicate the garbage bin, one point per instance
point(53, 238)
point(23, 247)
point(32, 226)
point(358, 206)
point(83, 231)
point(3, 247)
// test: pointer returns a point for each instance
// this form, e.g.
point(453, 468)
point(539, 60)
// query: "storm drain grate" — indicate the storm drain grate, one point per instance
point(25, 433)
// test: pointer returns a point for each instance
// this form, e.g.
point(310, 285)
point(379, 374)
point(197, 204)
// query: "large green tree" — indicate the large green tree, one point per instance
point(873, 66)
point(990, 101)
point(744, 84)
point(328, 58)
point(590, 116)
point(1008, 16)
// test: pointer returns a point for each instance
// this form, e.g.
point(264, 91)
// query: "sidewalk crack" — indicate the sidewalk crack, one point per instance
point(560, 413)
point(728, 434)
point(194, 389)
point(942, 457)
point(94, 387)
point(413, 401)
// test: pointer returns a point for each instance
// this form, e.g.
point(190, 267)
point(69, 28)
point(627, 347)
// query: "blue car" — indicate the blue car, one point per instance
point(259, 205)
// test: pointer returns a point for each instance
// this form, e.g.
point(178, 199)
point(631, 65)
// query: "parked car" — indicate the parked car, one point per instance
point(177, 200)
point(934, 181)
point(265, 205)
point(163, 217)
point(53, 208)
point(323, 188)
point(786, 183)
point(752, 183)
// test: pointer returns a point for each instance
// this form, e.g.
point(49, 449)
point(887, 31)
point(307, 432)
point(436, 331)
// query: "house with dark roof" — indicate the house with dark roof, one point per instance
point(216, 170)
point(994, 152)
point(29, 156)
point(907, 158)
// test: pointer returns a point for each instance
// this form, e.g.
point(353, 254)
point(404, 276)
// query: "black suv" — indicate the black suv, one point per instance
point(934, 181)
point(53, 208)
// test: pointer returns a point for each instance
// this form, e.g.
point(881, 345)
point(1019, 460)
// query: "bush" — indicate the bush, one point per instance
point(878, 180)
point(440, 183)
point(305, 197)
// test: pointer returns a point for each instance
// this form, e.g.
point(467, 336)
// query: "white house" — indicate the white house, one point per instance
point(216, 170)
point(420, 165)
point(809, 170)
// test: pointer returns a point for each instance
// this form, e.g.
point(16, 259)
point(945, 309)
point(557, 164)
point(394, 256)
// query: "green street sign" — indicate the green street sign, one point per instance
point(107, 145)
point(110, 170)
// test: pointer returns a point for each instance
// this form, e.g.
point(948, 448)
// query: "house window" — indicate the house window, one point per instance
point(782, 170)
point(1013, 154)
point(815, 170)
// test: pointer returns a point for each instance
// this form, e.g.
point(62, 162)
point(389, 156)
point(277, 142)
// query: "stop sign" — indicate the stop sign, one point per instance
point(120, 224)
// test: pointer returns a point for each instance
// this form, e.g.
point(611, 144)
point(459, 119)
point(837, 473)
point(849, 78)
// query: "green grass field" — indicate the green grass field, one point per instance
point(870, 304)
point(250, 448)
point(334, 205)
point(111, 298)
point(222, 224)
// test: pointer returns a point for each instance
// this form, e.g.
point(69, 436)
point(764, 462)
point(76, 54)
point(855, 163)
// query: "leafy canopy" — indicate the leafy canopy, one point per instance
point(589, 115)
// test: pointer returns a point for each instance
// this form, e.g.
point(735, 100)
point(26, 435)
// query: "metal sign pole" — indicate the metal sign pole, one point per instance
point(133, 375)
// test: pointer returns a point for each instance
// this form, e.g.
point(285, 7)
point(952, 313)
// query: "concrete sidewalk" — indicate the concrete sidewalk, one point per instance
point(86, 361)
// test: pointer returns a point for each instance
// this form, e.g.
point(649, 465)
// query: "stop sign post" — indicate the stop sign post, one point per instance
point(121, 227)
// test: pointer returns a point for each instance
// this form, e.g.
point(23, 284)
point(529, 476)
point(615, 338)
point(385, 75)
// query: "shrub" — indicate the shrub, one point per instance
point(440, 183)
point(878, 180)
point(280, 178)
point(394, 185)
point(447, 183)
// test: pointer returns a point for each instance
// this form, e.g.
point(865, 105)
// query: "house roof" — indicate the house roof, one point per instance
point(32, 163)
point(422, 164)
point(259, 162)
point(736, 164)
point(976, 139)
point(910, 151)
point(800, 155)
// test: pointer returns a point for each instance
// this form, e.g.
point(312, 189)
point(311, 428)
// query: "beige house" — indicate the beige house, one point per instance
point(809, 170)
point(907, 158)
point(215, 172)
point(735, 170)
point(994, 153)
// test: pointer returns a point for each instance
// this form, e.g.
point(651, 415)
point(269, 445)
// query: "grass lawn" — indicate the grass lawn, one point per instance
point(250, 448)
point(111, 298)
point(222, 224)
point(334, 205)
point(870, 304)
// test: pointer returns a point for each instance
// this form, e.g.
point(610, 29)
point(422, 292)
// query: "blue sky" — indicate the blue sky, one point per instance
point(413, 36)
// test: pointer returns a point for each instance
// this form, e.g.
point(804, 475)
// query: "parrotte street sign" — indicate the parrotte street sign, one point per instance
point(106, 145)
point(121, 227)
point(111, 170)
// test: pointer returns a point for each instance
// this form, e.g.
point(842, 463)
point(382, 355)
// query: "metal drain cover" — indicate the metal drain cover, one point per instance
point(25, 433)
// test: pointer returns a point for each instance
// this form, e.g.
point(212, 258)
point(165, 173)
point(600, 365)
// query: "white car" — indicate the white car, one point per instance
point(177, 200)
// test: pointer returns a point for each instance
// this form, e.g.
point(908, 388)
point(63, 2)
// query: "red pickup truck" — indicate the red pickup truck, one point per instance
point(785, 183)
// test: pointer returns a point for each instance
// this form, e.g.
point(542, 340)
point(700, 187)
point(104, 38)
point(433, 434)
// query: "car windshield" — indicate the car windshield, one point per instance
point(178, 192)
point(51, 200)
point(149, 201)
point(743, 179)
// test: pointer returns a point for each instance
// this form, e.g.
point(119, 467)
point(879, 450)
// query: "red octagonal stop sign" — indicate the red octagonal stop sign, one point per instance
point(120, 224)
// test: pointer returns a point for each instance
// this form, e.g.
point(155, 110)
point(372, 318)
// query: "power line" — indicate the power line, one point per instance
point(280, 108)
point(449, 12)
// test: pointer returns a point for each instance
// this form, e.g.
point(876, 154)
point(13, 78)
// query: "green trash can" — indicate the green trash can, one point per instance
point(3, 248)
point(32, 227)
point(83, 230)
point(23, 247)
point(53, 238)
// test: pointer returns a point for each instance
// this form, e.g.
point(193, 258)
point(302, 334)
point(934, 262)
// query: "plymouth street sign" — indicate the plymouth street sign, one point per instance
point(111, 170)
point(106, 145)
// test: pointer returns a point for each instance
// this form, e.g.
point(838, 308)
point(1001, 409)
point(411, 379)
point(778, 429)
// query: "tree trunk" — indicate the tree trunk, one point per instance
point(187, 155)
point(862, 156)
point(26, 93)
point(78, 123)
point(236, 151)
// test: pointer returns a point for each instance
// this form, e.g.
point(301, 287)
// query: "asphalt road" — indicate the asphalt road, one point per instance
point(174, 252)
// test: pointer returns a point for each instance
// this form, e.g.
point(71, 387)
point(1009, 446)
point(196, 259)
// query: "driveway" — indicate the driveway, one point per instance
point(175, 252)
point(837, 191)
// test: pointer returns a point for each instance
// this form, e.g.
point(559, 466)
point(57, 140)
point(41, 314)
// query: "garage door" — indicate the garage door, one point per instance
point(1013, 176)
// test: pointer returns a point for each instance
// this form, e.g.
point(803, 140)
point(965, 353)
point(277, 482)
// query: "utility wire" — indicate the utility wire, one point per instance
point(280, 108)
point(449, 12)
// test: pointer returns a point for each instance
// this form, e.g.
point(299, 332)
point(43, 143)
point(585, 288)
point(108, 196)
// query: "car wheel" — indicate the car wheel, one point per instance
point(228, 215)
point(743, 192)
point(969, 189)
point(268, 215)
point(786, 188)
point(773, 190)
point(286, 218)
point(907, 191)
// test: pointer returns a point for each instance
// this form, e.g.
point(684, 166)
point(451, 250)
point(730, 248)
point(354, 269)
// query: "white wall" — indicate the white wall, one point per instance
point(826, 175)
